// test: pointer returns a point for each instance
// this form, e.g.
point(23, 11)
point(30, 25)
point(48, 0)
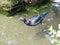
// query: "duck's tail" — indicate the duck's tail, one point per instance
point(44, 14)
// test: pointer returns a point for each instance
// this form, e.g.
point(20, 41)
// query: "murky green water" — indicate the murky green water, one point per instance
point(13, 32)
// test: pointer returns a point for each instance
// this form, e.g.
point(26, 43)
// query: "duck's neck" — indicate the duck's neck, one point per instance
point(25, 21)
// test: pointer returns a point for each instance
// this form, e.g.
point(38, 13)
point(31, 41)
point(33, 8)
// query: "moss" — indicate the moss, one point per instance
point(31, 8)
point(38, 8)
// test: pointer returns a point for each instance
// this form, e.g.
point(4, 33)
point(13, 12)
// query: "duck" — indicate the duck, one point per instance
point(35, 20)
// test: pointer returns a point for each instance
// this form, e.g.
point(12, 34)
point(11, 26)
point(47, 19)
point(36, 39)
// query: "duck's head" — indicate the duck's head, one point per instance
point(21, 18)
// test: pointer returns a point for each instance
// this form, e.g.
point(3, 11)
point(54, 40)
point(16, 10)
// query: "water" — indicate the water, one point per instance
point(13, 32)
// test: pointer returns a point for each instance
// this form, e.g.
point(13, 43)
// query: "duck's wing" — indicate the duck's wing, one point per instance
point(32, 18)
point(36, 23)
point(40, 18)
point(37, 20)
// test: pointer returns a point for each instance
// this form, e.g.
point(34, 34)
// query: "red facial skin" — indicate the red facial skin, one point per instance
point(21, 18)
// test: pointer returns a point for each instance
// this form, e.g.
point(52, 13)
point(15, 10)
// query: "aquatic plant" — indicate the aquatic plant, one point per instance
point(5, 4)
point(36, 9)
point(54, 37)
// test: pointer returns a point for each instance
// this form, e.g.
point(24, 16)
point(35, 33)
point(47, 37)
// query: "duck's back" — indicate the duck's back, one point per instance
point(37, 19)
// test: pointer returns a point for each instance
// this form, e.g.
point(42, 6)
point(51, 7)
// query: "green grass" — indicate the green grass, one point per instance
point(37, 9)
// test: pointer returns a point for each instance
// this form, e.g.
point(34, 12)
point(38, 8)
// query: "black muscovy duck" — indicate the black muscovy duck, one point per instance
point(34, 20)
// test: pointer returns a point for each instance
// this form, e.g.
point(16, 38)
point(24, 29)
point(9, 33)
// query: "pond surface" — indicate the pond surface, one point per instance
point(13, 32)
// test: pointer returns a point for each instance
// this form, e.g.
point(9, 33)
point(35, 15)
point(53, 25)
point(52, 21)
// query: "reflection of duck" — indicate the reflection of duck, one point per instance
point(34, 20)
